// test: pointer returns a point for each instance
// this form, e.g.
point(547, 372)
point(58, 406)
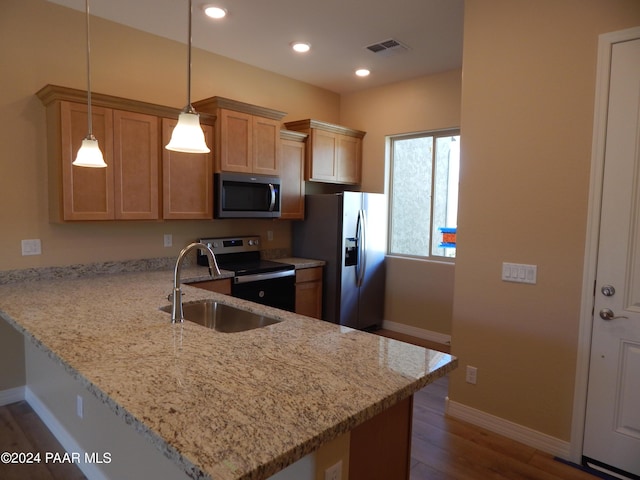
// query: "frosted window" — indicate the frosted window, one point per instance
point(424, 194)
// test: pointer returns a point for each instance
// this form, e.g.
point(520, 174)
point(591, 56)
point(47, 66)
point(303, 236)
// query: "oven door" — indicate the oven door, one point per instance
point(275, 289)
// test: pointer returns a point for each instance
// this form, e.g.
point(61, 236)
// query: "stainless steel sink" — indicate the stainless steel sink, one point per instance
point(221, 317)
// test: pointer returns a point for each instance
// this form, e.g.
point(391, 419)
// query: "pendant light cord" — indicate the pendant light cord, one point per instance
point(189, 108)
point(89, 115)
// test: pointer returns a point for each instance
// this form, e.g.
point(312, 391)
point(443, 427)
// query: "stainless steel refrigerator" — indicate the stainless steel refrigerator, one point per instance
point(349, 232)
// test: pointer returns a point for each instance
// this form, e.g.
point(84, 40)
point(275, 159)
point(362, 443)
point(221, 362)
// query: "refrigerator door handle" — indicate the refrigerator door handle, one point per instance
point(362, 247)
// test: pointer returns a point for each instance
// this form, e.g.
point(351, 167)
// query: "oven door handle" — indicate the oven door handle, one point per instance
point(272, 205)
point(263, 276)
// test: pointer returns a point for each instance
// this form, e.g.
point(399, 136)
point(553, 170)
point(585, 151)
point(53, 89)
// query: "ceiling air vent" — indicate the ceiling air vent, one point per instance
point(387, 48)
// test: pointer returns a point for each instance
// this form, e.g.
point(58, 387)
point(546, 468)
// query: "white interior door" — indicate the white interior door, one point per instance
point(612, 426)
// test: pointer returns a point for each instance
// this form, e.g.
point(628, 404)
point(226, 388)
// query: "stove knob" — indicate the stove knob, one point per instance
point(250, 242)
point(261, 294)
point(256, 242)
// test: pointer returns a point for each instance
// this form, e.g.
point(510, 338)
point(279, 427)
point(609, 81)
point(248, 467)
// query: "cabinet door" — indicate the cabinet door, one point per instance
point(187, 179)
point(322, 157)
point(309, 292)
point(266, 143)
point(135, 151)
point(348, 161)
point(292, 176)
point(236, 141)
point(87, 193)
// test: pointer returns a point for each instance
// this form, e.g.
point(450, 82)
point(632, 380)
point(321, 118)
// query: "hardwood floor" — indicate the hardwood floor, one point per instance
point(442, 448)
point(22, 431)
point(446, 448)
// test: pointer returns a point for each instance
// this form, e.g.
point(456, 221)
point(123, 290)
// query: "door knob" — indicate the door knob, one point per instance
point(608, 290)
point(607, 314)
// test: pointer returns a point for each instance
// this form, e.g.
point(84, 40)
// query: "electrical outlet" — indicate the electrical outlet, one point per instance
point(472, 374)
point(270, 235)
point(334, 472)
point(168, 240)
point(79, 407)
point(31, 247)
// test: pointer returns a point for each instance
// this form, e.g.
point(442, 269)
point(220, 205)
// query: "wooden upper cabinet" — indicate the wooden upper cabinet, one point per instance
point(235, 142)
point(132, 136)
point(292, 189)
point(334, 152)
point(349, 159)
point(127, 189)
point(135, 162)
point(247, 137)
point(266, 146)
point(187, 178)
point(80, 193)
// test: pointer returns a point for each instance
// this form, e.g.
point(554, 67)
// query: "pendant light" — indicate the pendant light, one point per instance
point(89, 154)
point(187, 135)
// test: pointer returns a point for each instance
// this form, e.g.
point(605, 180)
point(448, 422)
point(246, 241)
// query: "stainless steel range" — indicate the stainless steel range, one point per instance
point(261, 281)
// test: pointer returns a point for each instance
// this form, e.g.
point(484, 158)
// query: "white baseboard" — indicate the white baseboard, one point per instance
point(422, 333)
point(11, 395)
point(514, 431)
point(62, 435)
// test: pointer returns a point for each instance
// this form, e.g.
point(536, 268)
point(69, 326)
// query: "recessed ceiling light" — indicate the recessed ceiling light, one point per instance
point(301, 47)
point(214, 11)
point(362, 72)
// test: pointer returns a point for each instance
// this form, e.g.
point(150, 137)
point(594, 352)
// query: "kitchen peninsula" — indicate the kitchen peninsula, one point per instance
point(217, 405)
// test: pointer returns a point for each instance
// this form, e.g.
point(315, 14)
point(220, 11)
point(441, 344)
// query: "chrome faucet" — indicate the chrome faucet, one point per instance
point(177, 315)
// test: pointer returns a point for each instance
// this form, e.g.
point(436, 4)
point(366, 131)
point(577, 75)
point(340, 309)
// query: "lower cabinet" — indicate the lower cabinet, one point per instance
point(380, 448)
point(219, 286)
point(309, 292)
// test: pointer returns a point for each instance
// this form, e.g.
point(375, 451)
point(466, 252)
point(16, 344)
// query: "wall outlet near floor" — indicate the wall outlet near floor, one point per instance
point(31, 247)
point(334, 472)
point(79, 407)
point(168, 240)
point(472, 375)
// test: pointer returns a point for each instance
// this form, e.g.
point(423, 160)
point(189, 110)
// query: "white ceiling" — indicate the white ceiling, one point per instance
point(259, 32)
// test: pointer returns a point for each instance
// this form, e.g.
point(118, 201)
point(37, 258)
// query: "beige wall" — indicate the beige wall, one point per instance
point(527, 113)
point(418, 293)
point(43, 43)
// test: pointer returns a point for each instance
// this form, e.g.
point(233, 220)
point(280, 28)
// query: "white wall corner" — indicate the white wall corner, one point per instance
point(533, 438)
point(11, 395)
point(62, 435)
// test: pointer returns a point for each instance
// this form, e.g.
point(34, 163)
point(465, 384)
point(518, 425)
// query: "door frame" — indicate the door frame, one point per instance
point(605, 44)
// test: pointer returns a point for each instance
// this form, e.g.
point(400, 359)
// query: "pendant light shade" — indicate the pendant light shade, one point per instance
point(187, 135)
point(89, 154)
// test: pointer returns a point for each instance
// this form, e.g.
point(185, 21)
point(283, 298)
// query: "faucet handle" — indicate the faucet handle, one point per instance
point(170, 296)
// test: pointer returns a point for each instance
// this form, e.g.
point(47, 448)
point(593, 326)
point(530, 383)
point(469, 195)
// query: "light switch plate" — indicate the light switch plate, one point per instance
point(520, 273)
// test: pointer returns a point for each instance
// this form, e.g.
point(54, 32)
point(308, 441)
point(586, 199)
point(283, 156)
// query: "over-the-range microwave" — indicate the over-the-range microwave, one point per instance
point(245, 195)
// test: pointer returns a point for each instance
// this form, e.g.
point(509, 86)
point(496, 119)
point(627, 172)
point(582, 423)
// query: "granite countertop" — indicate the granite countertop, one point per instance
point(221, 406)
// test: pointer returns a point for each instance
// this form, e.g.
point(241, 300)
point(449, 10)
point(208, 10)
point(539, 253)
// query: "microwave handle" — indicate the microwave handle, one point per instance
point(272, 205)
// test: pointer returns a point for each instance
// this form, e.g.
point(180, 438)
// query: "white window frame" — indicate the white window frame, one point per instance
point(391, 139)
